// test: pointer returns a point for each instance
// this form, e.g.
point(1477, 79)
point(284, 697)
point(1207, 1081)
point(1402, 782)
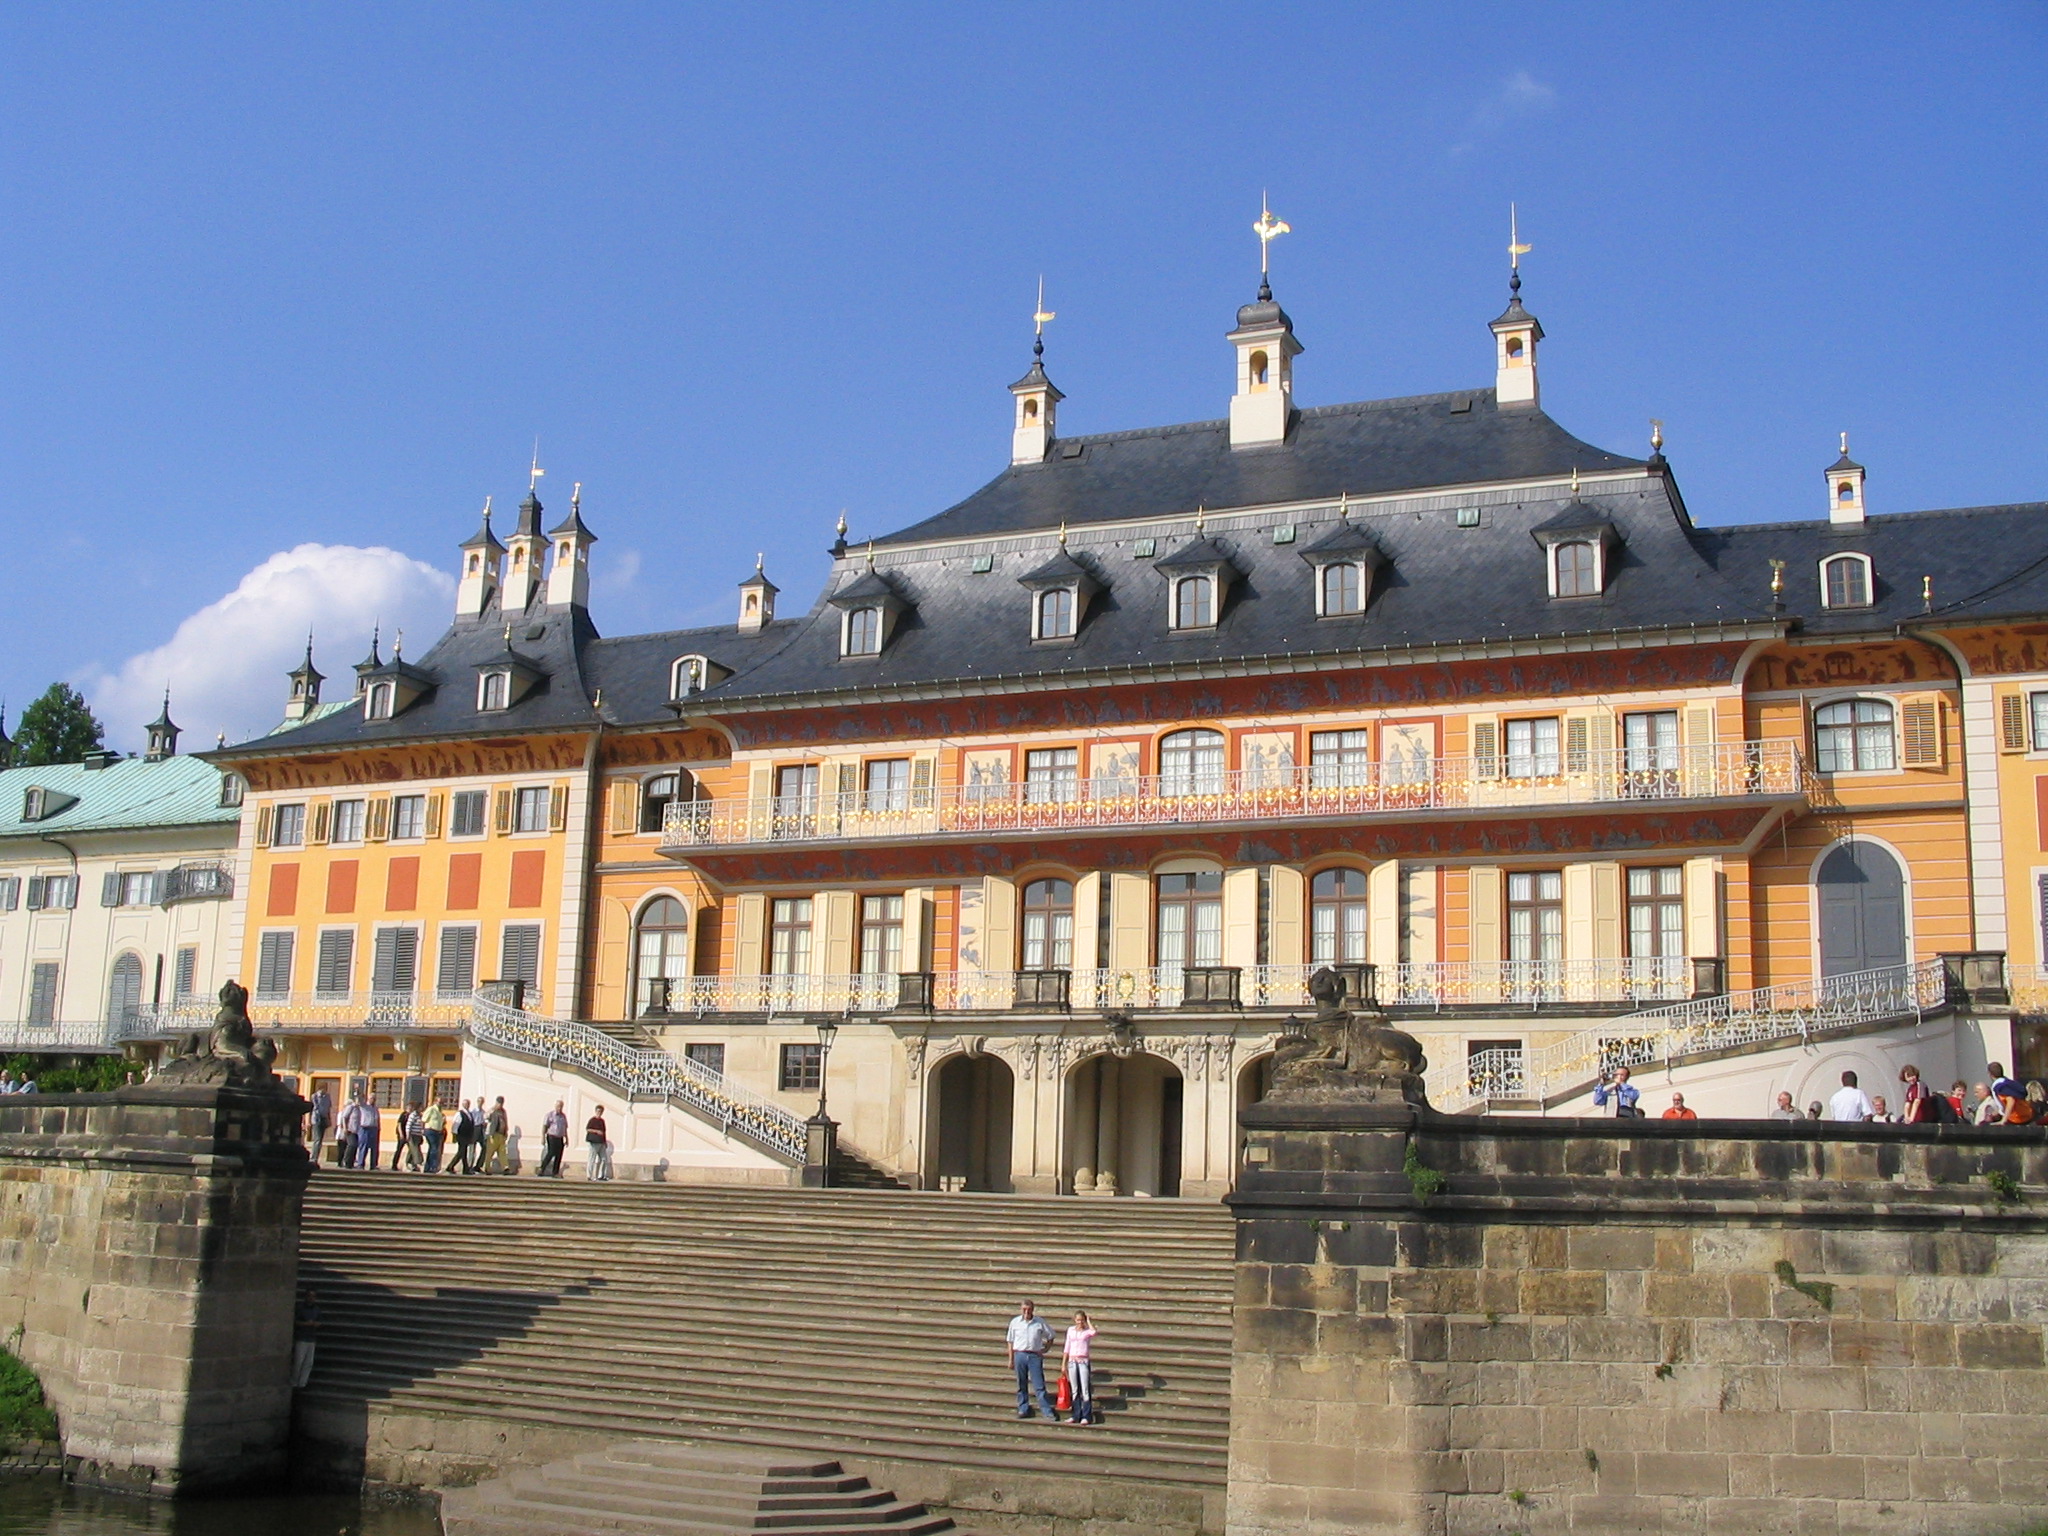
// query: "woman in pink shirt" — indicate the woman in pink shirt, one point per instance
point(1081, 1370)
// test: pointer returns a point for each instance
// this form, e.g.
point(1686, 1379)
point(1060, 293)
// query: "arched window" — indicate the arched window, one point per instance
point(1056, 613)
point(1258, 368)
point(1031, 410)
point(659, 793)
point(1190, 919)
point(864, 632)
point(124, 990)
point(1578, 569)
point(1343, 592)
point(663, 951)
point(1191, 763)
point(496, 690)
point(380, 701)
point(685, 676)
point(1846, 491)
point(1048, 926)
point(1337, 918)
point(1845, 582)
point(1514, 346)
point(1853, 734)
point(1194, 602)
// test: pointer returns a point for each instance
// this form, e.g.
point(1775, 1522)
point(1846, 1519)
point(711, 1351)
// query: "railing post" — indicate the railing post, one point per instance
point(914, 991)
point(821, 1141)
point(1975, 977)
point(1709, 976)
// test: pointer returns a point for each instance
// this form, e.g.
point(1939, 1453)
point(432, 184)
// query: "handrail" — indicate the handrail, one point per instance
point(650, 1074)
point(1786, 1011)
point(1203, 795)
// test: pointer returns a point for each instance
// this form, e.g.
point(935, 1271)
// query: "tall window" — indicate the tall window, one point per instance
point(887, 785)
point(789, 936)
point(42, 992)
point(185, 978)
point(864, 632)
point(1056, 613)
point(288, 828)
point(656, 796)
point(348, 821)
point(408, 816)
point(708, 1054)
point(1337, 917)
point(1578, 569)
point(1340, 759)
point(881, 935)
point(455, 976)
point(1845, 582)
point(496, 690)
point(466, 813)
point(1052, 774)
point(796, 789)
point(2037, 705)
point(124, 990)
point(1536, 915)
point(803, 1067)
point(395, 961)
point(1343, 591)
point(274, 965)
point(1532, 748)
point(1194, 602)
point(1656, 913)
point(1191, 763)
point(1191, 919)
point(380, 701)
point(530, 809)
point(334, 963)
point(1048, 926)
point(519, 953)
point(663, 952)
point(1853, 734)
point(1649, 741)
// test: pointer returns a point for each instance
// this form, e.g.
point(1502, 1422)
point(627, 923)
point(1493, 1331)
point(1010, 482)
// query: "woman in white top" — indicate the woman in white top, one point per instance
point(1081, 1370)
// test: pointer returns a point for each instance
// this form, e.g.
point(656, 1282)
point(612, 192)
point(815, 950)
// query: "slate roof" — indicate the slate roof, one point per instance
point(1368, 448)
point(131, 794)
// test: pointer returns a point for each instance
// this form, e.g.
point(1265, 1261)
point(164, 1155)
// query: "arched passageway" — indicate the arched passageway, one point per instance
point(971, 1099)
point(1124, 1126)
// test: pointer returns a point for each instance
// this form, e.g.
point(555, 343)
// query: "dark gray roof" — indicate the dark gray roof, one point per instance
point(528, 526)
point(868, 587)
point(1262, 313)
point(1343, 542)
point(483, 538)
point(1366, 449)
point(1200, 555)
point(1576, 517)
point(1061, 570)
point(1986, 562)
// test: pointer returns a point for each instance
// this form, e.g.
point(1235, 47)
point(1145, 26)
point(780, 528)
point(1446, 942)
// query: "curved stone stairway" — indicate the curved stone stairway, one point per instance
point(815, 1324)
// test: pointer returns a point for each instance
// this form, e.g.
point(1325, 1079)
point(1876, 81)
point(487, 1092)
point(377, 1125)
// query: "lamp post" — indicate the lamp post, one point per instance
point(821, 1136)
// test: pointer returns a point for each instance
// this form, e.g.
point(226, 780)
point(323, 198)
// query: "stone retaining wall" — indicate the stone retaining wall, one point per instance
point(1632, 1326)
point(149, 1254)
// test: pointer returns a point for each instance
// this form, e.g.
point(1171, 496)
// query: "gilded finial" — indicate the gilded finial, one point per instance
point(487, 509)
point(1845, 445)
point(533, 475)
point(576, 497)
point(398, 646)
point(871, 554)
point(758, 558)
point(1063, 533)
point(1344, 507)
point(1575, 480)
point(1039, 315)
point(1268, 229)
point(1201, 518)
point(1927, 593)
point(1777, 578)
point(840, 526)
point(1656, 435)
point(1516, 249)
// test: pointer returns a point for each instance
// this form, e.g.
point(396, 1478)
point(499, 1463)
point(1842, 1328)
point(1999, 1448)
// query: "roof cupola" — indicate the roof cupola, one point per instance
point(1845, 488)
point(1261, 409)
point(569, 576)
point(305, 680)
point(526, 549)
point(163, 734)
point(1038, 398)
point(482, 552)
point(1515, 335)
point(757, 600)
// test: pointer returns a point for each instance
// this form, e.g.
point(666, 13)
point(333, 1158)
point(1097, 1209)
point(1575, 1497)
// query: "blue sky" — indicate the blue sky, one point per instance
point(277, 277)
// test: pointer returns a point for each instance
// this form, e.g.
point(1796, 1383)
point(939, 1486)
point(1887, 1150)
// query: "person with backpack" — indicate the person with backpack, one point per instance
point(2014, 1108)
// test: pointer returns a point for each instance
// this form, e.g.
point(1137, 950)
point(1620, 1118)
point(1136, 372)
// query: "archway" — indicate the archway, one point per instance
point(1254, 1082)
point(124, 990)
point(969, 1141)
point(1862, 893)
point(1124, 1126)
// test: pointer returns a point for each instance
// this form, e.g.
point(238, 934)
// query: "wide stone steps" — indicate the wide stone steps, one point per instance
point(799, 1321)
point(665, 1490)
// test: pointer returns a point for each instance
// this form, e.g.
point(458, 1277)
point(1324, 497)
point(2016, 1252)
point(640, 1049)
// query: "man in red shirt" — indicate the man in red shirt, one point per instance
point(1678, 1111)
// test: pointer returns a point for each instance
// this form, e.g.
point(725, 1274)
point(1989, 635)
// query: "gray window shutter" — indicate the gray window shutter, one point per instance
point(274, 964)
point(334, 971)
point(456, 974)
point(395, 967)
point(110, 889)
point(187, 974)
point(521, 954)
point(38, 892)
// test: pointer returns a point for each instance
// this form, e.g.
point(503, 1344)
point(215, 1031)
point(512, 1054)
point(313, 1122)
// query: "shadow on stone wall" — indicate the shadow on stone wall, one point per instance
point(377, 1340)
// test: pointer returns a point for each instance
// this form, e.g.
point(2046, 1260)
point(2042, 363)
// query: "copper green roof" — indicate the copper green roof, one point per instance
point(129, 794)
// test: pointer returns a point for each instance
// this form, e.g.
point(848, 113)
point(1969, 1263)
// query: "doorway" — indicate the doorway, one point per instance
point(1862, 893)
point(971, 1110)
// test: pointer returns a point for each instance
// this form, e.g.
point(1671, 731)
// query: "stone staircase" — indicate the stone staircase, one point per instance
point(655, 1488)
point(816, 1323)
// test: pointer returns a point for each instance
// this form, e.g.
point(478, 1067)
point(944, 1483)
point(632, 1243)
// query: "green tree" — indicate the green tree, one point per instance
point(57, 728)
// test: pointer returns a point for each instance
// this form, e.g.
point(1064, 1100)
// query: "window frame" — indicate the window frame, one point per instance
point(1848, 559)
point(1048, 781)
point(506, 931)
point(404, 809)
point(671, 945)
point(1179, 779)
point(1197, 900)
point(800, 1067)
point(442, 937)
point(653, 805)
point(860, 625)
point(1041, 908)
point(1070, 617)
point(1826, 749)
point(494, 690)
point(790, 935)
point(1202, 583)
point(1535, 907)
point(1341, 904)
point(295, 812)
point(892, 793)
point(525, 797)
point(480, 799)
point(380, 701)
point(1360, 587)
point(1336, 761)
point(1537, 760)
point(1595, 571)
point(879, 939)
point(327, 942)
point(358, 815)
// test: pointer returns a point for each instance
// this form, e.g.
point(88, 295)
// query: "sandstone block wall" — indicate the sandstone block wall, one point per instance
point(1594, 1329)
point(148, 1259)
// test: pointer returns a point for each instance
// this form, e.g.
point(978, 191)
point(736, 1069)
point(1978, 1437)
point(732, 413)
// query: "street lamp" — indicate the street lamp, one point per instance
point(821, 1136)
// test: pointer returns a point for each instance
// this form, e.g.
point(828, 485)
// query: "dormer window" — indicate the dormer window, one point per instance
point(1344, 560)
point(686, 677)
point(1343, 590)
point(494, 690)
point(1575, 569)
point(1198, 578)
point(1194, 602)
point(34, 803)
point(377, 702)
point(1845, 581)
point(1055, 614)
point(863, 632)
point(661, 792)
point(232, 787)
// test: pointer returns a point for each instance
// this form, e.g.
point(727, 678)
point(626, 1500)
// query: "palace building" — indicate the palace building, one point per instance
point(1050, 804)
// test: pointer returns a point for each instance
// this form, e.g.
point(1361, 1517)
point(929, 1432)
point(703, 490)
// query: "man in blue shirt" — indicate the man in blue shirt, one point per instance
point(1623, 1092)
point(1030, 1338)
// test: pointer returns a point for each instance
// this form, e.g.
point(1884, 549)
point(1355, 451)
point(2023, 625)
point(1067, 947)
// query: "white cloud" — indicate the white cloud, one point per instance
point(225, 665)
point(1520, 95)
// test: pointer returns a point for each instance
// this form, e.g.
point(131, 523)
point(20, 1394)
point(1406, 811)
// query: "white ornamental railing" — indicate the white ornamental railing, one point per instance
point(647, 1074)
point(1507, 781)
point(59, 1036)
point(1789, 1011)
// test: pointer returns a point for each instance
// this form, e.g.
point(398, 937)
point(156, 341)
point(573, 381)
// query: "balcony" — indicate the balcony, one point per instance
point(1734, 770)
point(1529, 984)
point(316, 1012)
point(201, 881)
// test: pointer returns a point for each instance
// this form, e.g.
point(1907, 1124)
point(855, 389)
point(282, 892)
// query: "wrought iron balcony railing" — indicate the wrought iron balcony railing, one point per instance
point(1505, 782)
point(313, 1011)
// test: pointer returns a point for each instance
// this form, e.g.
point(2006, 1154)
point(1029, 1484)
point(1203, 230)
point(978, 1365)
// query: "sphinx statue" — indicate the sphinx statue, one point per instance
point(1346, 1055)
point(229, 1053)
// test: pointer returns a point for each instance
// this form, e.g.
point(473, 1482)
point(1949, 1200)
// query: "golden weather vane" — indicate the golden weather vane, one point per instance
point(533, 477)
point(1516, 249)
point(1041, 314)
point(1268, 229)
